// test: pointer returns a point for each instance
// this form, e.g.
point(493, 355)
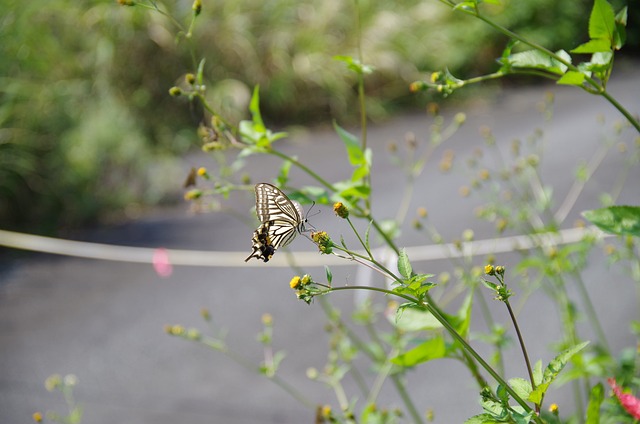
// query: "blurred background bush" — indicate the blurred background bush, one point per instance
point(88, 130)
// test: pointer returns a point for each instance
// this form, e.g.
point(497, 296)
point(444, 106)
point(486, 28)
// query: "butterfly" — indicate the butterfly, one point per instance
point(281, 220)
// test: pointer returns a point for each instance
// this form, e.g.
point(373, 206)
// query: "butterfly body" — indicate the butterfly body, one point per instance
point(281, 220)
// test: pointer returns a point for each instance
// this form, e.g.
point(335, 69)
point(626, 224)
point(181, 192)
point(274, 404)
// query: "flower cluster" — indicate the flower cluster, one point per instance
point(306, 289)
point(323, 241)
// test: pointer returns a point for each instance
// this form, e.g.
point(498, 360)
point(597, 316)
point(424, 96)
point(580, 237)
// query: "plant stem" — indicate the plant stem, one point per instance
point(523, 348)
point(402, 391)
point(303, 167)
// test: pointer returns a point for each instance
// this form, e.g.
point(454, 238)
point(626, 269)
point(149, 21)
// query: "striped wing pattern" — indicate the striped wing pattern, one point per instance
point(281, 220)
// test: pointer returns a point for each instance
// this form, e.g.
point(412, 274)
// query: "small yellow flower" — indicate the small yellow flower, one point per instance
point(489, 270)
point(177, 330)
point(435, 76)
point(202, 171)
point(193, 334)
point(553, 408)
point(197, 7)
point(190, 78)
point(499, 270)
point(341, 210)
point(295, 282)
point(312, 373)
point(459, 118)
point(306, 279)
point(501, 224)
point(193, 194)
point(267, 319)
point(464, 191)
point(416, 86)
point(205, 314)
point(422, 212)
point(175, 91)
point(326, 411)
point(322, 239)
point(37, 417)
point(53, 382)
point(484, 174)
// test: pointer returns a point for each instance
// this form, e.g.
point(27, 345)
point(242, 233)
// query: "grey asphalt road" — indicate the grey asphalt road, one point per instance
point(103, 321)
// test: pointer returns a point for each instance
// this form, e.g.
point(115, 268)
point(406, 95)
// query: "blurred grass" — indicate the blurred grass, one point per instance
point(87, 128)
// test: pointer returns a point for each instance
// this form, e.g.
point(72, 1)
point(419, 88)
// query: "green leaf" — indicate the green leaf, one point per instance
point(283, 175)
point(254, 108)
point(572, 78)
point(540, 60)
point(360, 159)
point(552, 371)
point(200, 72)
point(404, 266)
point(431, 349)
point(351, 142)
point(413, 319)
point(354, 65)
point(595, 400)
point(620, 220)
point(482, 419)
point(329, 274)
point(602, 22)
point(521, 386)
point(621, 31)
point(594, 45)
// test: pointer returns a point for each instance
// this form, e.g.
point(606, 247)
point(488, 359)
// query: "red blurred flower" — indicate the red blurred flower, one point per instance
point(161, 263)
point(630, 403)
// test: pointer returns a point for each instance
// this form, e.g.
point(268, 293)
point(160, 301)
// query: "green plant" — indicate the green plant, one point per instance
point(421, 329)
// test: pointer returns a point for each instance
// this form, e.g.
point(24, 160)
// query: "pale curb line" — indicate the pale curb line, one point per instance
point(181, 257)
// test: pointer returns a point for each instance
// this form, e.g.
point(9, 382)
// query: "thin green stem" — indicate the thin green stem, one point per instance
point(523, 348)
point(404, 395)
point(592, 315)
point(632, 120)
point(376, 387)
point(303, 167)
point(364, 245)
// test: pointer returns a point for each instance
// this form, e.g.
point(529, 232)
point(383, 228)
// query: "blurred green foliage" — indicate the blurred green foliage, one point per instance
point(87, 126)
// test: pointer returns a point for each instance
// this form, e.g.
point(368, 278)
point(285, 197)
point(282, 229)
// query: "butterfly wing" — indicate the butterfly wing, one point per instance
point(281, 216)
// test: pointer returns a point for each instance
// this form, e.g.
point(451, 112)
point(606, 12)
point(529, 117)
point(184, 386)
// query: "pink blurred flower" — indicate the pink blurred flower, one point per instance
point(161, 263)
point(630, 403)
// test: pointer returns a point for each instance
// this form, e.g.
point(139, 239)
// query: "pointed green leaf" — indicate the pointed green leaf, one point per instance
point(482, 419)
point(414, 319)
point(431, 349)
point(553, 369)
point(620, 220)
point(404, 266)
point(572, 78)
point(329, 274)
point(540, 60)
point(602, 21)
point(595, 400)
point(200, 72)
point(351, 142)
point(594, 45)
point(521, 386)
point(254, 108)
point(621, 31)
